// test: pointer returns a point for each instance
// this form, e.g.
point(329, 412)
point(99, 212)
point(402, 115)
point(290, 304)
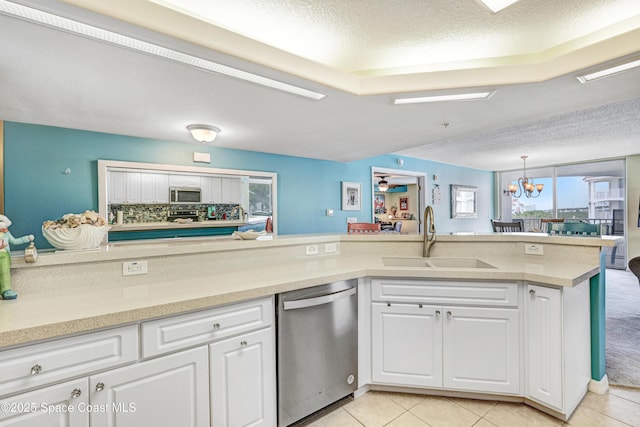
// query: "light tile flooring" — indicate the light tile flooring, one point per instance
point(618, 408)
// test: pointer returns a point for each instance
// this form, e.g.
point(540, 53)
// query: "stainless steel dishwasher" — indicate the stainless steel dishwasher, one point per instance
point(317, 348)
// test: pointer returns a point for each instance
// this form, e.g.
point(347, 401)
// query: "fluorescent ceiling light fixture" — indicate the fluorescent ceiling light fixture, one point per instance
point(497, 5)
point(586, 78)
point(451, 97)
point(50, 20)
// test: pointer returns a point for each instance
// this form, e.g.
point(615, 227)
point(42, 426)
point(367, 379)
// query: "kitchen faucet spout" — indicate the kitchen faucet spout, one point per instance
point(240, 210)
point(429, 231)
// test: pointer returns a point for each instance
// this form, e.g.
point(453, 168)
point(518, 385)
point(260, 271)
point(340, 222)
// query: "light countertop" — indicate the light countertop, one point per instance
point(54, 313)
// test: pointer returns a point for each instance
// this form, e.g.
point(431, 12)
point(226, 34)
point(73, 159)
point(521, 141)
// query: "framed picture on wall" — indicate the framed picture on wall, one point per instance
point(351, 196)
point(404, 203)
point(378, 204)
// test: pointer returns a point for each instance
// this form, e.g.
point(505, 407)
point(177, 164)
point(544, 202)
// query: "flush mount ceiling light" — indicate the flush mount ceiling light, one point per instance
point(497, 5)
point(47, 19)
point(586, 78)
point(383, 185)
point(203, 133)
point(451, 97)
point(525, 185)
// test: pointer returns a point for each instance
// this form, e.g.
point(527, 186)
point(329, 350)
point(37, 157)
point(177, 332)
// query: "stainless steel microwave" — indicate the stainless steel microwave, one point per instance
point(186, 195)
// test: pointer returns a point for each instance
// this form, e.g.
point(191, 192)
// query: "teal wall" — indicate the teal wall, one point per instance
point(36, 189)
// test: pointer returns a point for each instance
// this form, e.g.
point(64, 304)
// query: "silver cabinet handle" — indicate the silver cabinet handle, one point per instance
point(100, 386)
point(419, 305)
point(437, 314)
point(76, 393)
point(243, 343)
point(216, 326)
point(532, 292)
point(449, 314)
point(36, 369)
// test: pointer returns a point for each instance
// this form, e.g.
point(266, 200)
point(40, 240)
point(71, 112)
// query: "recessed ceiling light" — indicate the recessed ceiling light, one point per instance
point(497, 5)
point(440, 98)
point(50, 20)
point(586, 78)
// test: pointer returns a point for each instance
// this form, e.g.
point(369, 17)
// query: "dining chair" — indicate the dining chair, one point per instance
point(634, 266)
point(499, 226)
point(545, 223)
point(363, 227)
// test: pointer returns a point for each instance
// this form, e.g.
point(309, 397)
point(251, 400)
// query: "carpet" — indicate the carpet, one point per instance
point(622, 328)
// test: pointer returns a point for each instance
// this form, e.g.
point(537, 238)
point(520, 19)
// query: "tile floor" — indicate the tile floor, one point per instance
point(618, 408)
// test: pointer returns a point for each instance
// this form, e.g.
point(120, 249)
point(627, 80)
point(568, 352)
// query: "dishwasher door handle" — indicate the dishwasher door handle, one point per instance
point(324, 299)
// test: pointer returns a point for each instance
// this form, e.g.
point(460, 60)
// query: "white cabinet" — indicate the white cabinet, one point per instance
point(48, 406)
point(481, 349)
point(154, 188)
point(172, 390)
point(124, 187)
point(406, 344)
point(243, 389)
point(176, 180)
point(558, 345)
point(231, 192)
point(211, 189)
point(470, 348)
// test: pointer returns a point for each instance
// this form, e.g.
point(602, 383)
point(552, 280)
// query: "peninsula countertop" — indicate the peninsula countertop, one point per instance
point(100, 304)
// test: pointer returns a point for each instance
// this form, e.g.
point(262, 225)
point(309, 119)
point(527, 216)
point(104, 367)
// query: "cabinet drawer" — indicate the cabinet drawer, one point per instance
point(174, 333)
point(501, 294)
point(39, 364)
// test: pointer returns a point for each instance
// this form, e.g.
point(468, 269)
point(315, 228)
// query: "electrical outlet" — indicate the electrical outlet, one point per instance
point(134, 267)
point(312, 249)
point(532, 249)
point(330, 248)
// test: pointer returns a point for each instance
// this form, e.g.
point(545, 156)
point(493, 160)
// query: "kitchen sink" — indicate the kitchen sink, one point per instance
point(434, 262)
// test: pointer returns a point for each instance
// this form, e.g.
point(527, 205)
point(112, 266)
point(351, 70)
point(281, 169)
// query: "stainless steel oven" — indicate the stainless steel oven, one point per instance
point(317, 348)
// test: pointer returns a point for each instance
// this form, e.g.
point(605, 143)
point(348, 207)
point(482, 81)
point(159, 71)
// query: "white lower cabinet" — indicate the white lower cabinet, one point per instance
point(243, 383)
point(481, 349)
point(406, 344)
point(48, 407)
point(463, 348)
point(558, 349)
point(172, 390)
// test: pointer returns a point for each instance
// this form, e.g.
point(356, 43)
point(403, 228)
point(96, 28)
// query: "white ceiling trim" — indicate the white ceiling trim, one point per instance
point(595, 48)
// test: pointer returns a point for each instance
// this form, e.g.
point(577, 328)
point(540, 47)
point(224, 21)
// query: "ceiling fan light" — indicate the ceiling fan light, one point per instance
point(383, 185)
point(203, 133)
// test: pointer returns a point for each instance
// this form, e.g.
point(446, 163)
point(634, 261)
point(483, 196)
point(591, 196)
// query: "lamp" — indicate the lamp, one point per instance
point(383, 185)
point(203, 133)
point(525, 185)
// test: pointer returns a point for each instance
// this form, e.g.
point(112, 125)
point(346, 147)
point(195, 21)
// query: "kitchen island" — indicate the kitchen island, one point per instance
point(70, 293)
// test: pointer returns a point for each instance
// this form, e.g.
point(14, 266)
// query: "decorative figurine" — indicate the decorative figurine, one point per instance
point(6, 240)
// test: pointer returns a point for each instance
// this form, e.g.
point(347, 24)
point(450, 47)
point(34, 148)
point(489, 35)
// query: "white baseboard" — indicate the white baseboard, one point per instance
point(599, 387)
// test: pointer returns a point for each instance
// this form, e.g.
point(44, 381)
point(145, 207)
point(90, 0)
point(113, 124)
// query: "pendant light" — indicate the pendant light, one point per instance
point(525, 184)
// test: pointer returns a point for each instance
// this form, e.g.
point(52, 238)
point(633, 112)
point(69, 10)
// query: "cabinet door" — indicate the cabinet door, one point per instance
point(211, 189)
point(481, 349)
point(544, 344)
point(117, 190)
point(133, 187)
point(168, 391)
point(154, 188)
point(58, 405)
point(406, 344)
point(231, 190)
point(243, 391)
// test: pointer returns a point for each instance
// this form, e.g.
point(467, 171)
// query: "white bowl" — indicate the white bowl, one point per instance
point(83, 237)
point(249, 234)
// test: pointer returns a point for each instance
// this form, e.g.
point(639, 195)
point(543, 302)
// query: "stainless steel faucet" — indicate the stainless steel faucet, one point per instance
point(429, 231)
point(241, 212)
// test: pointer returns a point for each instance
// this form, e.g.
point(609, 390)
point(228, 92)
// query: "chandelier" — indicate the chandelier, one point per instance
point(525, 185)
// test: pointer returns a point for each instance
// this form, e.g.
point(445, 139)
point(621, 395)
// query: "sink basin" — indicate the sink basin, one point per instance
point(405, 262)
point(434, 262)
point(457, 263)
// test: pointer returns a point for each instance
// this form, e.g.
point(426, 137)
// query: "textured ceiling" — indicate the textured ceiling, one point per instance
point(56, 78)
